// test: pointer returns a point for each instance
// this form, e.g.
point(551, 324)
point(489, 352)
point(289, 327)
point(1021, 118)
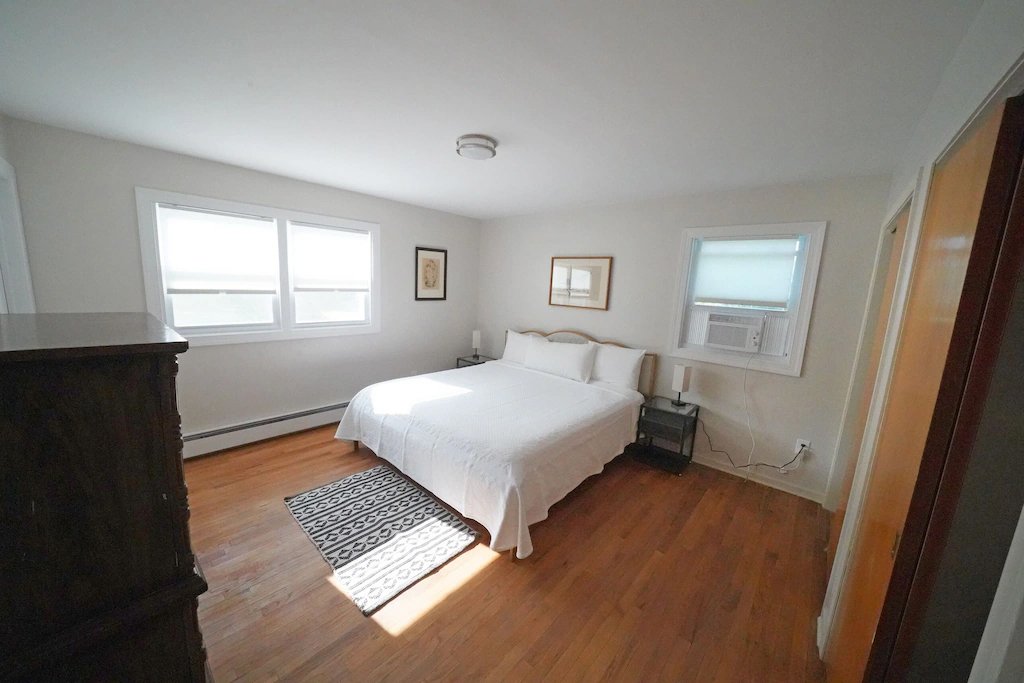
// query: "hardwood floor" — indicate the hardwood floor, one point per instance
point(637, 576)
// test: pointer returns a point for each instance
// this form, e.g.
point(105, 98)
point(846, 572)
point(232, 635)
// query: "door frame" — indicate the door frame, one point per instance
point(879, 401)
point(835, 475)
point(15, 279)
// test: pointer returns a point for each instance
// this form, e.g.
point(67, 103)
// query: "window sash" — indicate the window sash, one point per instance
point(350, 299)
point(315, 253)
point(331, 289)
point(217, 251)
point(177, 322)
point(322, 257)
point(187, 290)
point(329, 321)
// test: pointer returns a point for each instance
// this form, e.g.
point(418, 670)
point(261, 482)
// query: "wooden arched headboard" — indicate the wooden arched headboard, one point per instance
point(648, 369)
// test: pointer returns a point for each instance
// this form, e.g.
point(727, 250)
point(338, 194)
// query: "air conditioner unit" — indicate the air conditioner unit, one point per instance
point(734, 332)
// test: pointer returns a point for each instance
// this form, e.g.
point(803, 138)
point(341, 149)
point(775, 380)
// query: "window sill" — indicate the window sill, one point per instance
point(248, 337)
point(779, 365)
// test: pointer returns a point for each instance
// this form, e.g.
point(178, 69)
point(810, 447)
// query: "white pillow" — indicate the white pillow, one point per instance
point(572, 361)
point(618, 365)
point(516, 345)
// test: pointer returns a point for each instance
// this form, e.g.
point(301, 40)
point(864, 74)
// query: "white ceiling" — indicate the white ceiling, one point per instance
point(591, 102)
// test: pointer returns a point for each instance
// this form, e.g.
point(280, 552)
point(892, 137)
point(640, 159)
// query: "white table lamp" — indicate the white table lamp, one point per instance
point(681, 382)
point(476, 343)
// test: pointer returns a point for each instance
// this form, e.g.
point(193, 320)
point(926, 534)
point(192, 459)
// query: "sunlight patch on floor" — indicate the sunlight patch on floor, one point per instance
point(405, 610)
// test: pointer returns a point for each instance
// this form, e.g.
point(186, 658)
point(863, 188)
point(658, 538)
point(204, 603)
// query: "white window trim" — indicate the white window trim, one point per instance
point(146, 201)
point(16, 295)
point(791, 365)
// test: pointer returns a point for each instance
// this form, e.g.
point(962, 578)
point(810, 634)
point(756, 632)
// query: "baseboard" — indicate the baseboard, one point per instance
point(201, 443)
point(816, 496)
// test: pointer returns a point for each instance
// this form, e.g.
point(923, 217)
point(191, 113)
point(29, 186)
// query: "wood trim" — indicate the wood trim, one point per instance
point(16, 292)
point(879, 401)
point(650, 358)
point(578, 334)
point(608, 294)
point(865, 375)
point(1011, 85)
point(892, 219)
point(837, 474)
point(947, 450)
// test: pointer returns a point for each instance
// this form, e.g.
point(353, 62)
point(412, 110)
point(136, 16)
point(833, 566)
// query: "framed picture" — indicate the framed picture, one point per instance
point(580, 281)
point(431, 274)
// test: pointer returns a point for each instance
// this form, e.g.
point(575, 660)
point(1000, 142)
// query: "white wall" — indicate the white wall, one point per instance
point(78, 204)
point(644, 239)
point(993, 44)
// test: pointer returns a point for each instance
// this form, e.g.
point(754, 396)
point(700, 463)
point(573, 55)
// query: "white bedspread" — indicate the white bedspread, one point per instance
point(498, 442)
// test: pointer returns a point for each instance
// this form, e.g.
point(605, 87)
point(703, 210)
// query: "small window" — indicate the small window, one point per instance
point(222, 272)
point(330, 274)
point(745, 294)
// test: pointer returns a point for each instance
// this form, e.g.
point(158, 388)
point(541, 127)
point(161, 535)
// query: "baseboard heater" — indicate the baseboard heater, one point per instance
point(260, 423)
point(211, 440)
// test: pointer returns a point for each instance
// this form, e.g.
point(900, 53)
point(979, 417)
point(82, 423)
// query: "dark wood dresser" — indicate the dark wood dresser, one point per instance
point(97, 576)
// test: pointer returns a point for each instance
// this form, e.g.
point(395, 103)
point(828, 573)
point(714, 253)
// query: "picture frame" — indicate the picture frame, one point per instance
point(431, 274)
point(580, 282)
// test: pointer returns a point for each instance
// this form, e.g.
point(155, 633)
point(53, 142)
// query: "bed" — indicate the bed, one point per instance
point(499, 442)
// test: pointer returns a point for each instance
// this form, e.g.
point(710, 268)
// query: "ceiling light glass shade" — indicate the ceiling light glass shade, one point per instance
point(476, 146)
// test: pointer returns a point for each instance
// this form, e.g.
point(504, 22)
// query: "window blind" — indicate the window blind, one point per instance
point(216, 253)
point(330, 273)
point(329, 258)
point(219, 269)
point(756, 273)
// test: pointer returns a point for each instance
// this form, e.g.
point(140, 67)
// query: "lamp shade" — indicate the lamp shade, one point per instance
point(681, 378)
point(476, 339)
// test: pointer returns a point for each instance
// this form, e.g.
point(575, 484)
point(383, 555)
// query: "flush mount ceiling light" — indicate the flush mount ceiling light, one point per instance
point(476, 146)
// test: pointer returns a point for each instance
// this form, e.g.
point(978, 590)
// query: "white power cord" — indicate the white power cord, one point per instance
point(781, 468)
point(746, 411)
point(753, 440)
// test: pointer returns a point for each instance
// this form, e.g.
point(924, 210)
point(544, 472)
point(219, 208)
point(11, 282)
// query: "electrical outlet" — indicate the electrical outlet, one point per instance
point(801, 450)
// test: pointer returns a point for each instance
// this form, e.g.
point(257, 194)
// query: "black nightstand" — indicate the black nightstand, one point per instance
point(661, 420)
point(467, 361)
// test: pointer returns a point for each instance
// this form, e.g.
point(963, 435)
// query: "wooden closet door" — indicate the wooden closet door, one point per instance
point(881, 306)
point(969, 490)
point(944, 248)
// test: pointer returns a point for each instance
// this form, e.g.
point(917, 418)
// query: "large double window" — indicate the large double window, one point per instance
point(745, 294)
point(224, 272)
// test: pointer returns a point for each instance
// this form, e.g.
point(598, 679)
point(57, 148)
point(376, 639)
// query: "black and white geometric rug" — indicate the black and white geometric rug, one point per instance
point(380, 532)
